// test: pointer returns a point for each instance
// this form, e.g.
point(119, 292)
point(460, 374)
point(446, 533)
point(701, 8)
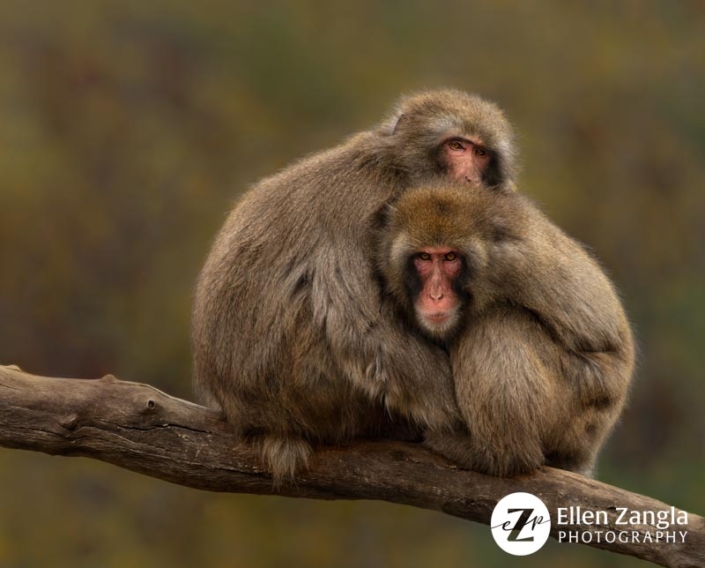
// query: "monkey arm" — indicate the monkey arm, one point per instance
point(553, 276)
point(543, 367)
point(373, 348)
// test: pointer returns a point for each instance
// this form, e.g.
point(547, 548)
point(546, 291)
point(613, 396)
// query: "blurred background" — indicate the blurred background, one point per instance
point(127, 131)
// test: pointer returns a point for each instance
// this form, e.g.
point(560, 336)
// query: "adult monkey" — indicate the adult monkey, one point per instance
point(290, 336)
point(540, 347)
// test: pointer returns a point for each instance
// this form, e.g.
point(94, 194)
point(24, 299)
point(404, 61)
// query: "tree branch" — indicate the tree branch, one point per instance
point(139, 428)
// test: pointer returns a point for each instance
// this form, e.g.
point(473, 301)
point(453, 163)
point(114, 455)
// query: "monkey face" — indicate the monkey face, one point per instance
point(453, 137)
point(437, 305)
point(465, 159)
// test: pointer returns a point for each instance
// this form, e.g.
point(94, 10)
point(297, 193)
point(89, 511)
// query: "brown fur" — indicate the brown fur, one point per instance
point(290, 336)
point(544, 357)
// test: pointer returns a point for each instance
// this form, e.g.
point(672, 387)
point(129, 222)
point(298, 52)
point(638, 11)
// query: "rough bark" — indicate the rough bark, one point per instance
point(138, 427)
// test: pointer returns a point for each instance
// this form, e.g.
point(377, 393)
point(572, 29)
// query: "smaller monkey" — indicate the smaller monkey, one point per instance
point(540, 348)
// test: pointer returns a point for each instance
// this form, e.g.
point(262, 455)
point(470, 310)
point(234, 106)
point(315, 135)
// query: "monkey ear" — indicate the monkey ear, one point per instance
point(402, 118)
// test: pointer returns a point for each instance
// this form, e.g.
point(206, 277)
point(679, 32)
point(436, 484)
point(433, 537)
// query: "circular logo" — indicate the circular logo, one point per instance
point(520, 524)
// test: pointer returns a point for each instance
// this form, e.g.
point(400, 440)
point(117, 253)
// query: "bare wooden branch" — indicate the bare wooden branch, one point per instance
point(138, 427)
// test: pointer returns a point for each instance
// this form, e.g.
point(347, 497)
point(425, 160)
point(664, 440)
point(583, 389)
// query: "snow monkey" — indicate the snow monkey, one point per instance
point(540, 348)
point(291, 337)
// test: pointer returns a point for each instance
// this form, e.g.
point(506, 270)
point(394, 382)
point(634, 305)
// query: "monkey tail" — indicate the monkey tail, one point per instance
point(284, 457)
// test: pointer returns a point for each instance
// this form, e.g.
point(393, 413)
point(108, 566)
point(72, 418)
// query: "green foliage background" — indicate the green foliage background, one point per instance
point(128, 129)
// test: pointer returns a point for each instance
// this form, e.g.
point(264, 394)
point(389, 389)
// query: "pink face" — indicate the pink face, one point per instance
point(437, 305)
point(466, 159)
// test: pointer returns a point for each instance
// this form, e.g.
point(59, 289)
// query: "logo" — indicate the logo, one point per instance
point(520, 524)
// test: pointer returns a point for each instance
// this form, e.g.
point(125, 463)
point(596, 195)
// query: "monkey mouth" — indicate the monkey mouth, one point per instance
point(438, 317)
point(437, 325)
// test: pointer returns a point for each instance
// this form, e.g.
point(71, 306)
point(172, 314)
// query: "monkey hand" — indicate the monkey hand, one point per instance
point(415, 379)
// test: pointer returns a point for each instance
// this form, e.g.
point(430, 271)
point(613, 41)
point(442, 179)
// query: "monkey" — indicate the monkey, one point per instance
point(540, 347)
point(290, 337)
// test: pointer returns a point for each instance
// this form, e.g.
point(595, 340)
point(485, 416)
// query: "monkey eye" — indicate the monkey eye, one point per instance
point(456, 145)
point(451, 256)
point(480, 151)
point(424, 256)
